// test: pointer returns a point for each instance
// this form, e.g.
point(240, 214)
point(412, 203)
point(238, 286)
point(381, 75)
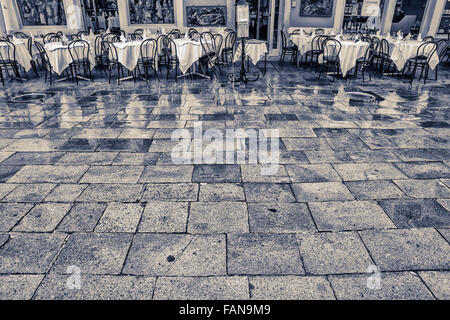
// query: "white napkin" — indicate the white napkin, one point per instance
point(419, 37)
point(122, 38)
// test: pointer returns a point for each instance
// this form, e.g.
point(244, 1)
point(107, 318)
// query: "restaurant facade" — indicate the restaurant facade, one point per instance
point(267, 17)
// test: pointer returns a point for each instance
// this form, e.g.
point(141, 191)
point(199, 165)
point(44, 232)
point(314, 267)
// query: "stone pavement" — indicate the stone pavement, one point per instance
point(88, 185)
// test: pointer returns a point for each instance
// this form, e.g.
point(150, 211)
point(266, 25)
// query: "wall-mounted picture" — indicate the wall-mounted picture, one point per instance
point(316, 8)
point(206, 16)
point(42, 12)
point(151, 11)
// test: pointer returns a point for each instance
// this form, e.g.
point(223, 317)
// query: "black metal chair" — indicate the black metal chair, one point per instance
point(421, 61)
point(8, 59)
point(428, 39)
point(79, 51)
point(330, 56)
point(55, 38)
point(218, 41)
point(47, 37)
point(171, 56)
point(319, 31)
point(287, 49)
point(174, 34)
point(161, 52)
point(210, 54)
point(139, 31)
point(297, 31)
point(316, 50)
point(365, 63)
point(148, 56)
point(100, 56)
point(228, 49)
point(135, 37)
point(194, 34)
point(113, 61)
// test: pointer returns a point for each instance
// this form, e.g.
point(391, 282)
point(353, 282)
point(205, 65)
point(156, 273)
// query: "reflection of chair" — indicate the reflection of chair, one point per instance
point(421, 61)
point(8, 59)
point(209, 59)
point(79, 52)
point(171, 57)
point(330, 56)
point(148, 54)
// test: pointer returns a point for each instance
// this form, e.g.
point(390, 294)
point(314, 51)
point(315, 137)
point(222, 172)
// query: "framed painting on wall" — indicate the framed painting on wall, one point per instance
point(206, 16)
point(151, 11)
point(42, 12)
point(316, 8)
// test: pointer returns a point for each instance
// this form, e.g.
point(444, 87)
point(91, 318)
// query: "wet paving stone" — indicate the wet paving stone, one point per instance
point(177, 255)
point(164, 217)
point(333, 253)
point(394, 286)
point(290, 288)
point(166, 174)
point(438, 282)
point(93, 158)
point(97, 287)
point(424, 170)
point(209, 217)
point(94, 253)
point(268, 192)
point(48, 174)
point(312, 173)
point(407, 249)
point(424, 188)
point(120, 217)
point(170, 192)
point(65, 193)
point(82, 217)
point(376, 189)
point(369, 171)
point(29, 252)
point(29, 193)
point(110, 193)
point(19, 287)
point(7, 172)
point(24, 158)
point(260, 254)
point(416, 213)
point(324, 191)
point(43, 217)
point(202, 288)
point(217, 192)
point(11, 213)
point(279, 217)
point(112, 174)
point(349, 215)
point(216, 173)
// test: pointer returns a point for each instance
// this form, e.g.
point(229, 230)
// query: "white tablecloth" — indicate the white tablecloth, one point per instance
point(23, 57)
point(128, 53)
point(302, 41)
point(401, 51)
point(60, 58)
point(350, 52)
point(188, 52)
point(254, 49)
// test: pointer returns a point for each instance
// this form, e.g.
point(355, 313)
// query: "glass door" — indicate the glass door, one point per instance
point(265, 22)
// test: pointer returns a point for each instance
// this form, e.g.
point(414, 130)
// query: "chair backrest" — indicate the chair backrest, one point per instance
point(193, 33)
point(366, 38)
point(139, 31)
point(10, 53)
point(297, 31)
point(82, 33)
point(355, 35)
point(174, 34)
point(55, 38)
point(441, 48)
point(170, 48)
point(375, 43)
point(122, 33)
point(227, 31)
point(115, 39)
point(42, 52)
point(426, 50)
point(60, 33)
point(331, 49)
point(207, 42)
point(428, 39)
point(21, 35)
point(135, 37)
point(317, 42)
point(284, 41)
point(319, 31)
point(47, 37)
point(110, 50)
point(160, 42)
point(109, 36)
point(79, 50)
point(383, 47)
point(98, 48)
point(218, 41)
point(148, 50)
point(230, 40)
point(75, 37)
point(100, 30)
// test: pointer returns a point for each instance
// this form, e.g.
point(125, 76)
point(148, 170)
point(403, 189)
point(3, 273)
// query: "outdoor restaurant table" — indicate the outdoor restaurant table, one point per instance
point(350, 52)
point(23, 56)
point(402, 50)
point(128, 53)
point(59, 56)
point(188, 52)
point(255, 49)
point(302, 41)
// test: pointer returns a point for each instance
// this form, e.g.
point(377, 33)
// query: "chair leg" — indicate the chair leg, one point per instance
point(33, 65)
point(1, 76)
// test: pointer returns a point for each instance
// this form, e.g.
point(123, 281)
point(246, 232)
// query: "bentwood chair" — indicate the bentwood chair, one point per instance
point(228, 49)
point(79, 51)
point(331, 50)
point(428, 39)
point(315, 51)
point(193, 34)
point(112, 60)
point(147, 58)
point(100, 57)
point(139, 31)
point(45, 62)
point(287, 49)
point(171, 56)
point(421, 61)
point(47, 37)
point(8, 59)
point(218, 41)
point(209, 59)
